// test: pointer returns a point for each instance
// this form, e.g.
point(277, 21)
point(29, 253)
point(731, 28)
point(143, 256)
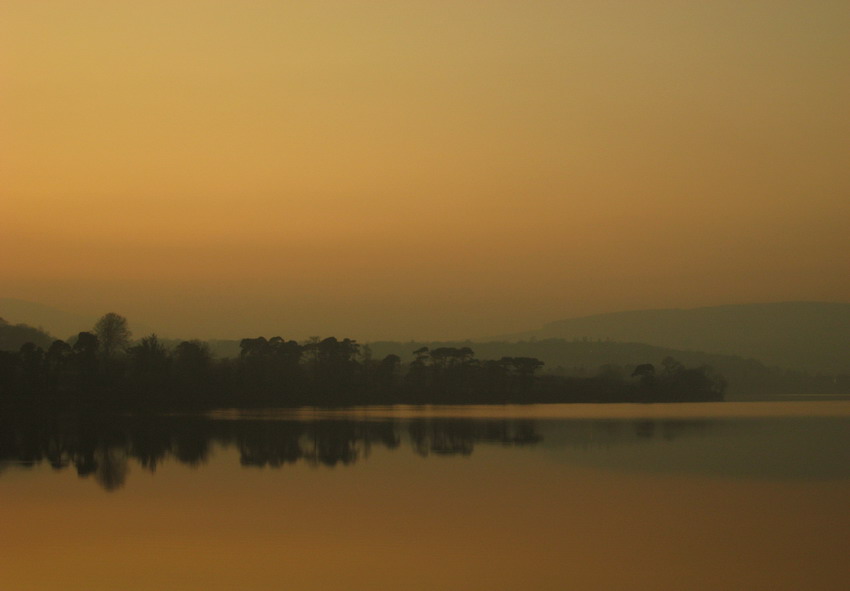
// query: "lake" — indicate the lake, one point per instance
point(640, 497)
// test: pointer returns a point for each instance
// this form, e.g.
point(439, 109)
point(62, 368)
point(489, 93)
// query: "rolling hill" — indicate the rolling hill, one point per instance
point(810, 336)
point(57, 322)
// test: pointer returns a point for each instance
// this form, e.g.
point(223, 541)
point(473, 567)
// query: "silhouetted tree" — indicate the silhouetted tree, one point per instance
point(58, 361)
point(672, 367)
point(113, 334)
point(192, 357)
point(84, 360)
point(646, 373)
point(8, 375)
point(526, 366)
point(150, 365)
point(193, 370)
point(388, 371)
point(336, 370)
point(33, 368)
point(644, 370)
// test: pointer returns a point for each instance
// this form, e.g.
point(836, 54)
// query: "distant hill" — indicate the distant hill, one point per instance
point(811, 336)
point(12, 336)
point(59, 323)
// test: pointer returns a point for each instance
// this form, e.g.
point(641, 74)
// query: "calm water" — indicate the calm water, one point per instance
point(708, 496)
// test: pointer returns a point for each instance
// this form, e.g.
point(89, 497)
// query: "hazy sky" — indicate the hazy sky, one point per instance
point(432, 169)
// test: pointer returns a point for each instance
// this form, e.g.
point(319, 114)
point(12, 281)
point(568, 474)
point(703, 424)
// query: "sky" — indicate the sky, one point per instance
point(420, 169)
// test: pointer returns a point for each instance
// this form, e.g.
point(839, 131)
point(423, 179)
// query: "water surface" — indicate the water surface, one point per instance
point(702, 496)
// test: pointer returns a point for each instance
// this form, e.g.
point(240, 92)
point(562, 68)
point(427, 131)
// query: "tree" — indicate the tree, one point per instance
point(526, 366)
point(33, 366)
point(672, 367)
point(57, 361)
point(192, 357)
point(84, 360)
point(113, 334)
point(149, 357)
point(646, 372)
point(192, 369)
point(524, 369)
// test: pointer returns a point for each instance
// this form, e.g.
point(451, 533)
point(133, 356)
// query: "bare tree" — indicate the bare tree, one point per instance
point(113, 334)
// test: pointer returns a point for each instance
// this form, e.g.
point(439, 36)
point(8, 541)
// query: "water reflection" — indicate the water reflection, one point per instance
point(102, 447)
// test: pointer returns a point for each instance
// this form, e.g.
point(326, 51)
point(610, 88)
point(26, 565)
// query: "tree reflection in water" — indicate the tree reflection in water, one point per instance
point(102, 446)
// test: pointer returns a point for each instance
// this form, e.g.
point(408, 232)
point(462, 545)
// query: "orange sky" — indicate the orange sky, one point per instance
point(427, 169)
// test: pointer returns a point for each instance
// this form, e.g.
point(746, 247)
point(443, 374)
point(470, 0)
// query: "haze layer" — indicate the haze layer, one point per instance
point(426, 169)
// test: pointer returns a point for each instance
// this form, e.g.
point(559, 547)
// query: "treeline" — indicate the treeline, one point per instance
point(104, 368)
point(749, 379)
